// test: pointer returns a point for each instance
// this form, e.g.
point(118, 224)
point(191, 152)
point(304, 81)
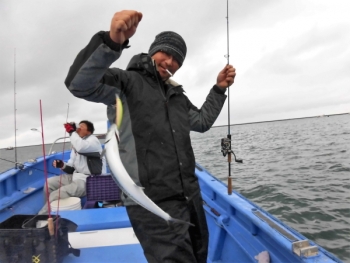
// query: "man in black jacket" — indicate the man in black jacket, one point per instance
point(155, 145)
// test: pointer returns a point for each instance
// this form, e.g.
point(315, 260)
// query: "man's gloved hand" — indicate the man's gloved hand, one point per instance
point(58, 163)
point(70, 127)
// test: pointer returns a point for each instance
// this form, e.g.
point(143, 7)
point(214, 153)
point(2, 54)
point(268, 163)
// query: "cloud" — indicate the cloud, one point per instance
point(292, 58)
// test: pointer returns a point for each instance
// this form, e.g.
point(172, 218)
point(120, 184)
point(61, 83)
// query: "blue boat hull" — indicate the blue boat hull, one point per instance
point(239, 229)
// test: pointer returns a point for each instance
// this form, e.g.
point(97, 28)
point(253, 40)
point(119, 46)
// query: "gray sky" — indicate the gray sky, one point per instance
point(292, 57)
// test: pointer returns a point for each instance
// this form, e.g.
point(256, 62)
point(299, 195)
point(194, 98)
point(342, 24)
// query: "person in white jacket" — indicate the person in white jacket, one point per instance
point(85, 159)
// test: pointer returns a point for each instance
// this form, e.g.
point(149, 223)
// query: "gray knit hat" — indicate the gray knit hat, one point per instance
point(171, 43)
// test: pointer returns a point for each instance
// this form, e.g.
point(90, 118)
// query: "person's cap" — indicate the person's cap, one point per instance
point(171, 43)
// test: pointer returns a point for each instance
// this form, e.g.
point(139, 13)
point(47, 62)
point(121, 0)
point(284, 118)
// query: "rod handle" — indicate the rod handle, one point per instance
point(229, 185)
point(50, 226)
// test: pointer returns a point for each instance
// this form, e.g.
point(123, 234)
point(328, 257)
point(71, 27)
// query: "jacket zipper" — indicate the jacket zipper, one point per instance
point(161, 89)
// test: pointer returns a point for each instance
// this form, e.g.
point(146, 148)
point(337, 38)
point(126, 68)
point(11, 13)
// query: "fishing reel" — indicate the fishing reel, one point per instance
point(226, 148)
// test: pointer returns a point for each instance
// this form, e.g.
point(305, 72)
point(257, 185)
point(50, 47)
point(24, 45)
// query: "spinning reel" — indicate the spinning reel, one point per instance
point(226, 149)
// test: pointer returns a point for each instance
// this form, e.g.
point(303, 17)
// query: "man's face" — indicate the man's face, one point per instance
point(82, 130)
point(165, 61)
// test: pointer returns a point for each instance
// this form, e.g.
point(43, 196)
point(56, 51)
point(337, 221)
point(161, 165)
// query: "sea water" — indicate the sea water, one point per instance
point(297, 170)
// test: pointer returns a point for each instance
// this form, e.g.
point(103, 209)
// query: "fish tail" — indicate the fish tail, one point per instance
point(178, 221)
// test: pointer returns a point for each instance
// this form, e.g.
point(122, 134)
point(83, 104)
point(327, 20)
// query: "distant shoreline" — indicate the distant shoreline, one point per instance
point(326, 115)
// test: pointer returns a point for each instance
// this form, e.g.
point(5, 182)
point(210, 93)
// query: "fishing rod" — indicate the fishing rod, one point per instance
point(60, 184)
point(226, 147)
point(50, 219)
point(15, 108)
point(22, 166)
point(65, 132)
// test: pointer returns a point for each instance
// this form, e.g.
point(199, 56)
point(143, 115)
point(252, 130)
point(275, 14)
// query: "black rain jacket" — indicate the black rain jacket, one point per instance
point(155, 145)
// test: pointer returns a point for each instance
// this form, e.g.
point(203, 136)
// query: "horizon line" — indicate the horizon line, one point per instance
point(225, 125)
point(319, 116)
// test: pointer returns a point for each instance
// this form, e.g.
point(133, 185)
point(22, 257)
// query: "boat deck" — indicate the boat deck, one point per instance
point(111, 245)
point(112, 241)
point(127, 254)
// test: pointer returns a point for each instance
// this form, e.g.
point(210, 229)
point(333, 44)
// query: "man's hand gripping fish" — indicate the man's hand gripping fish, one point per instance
point(122, 177)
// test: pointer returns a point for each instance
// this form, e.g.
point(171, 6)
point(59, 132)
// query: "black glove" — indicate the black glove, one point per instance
point(59, 163)
point(70, 127)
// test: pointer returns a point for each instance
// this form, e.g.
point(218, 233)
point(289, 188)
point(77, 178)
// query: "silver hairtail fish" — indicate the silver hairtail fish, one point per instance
point(121, 176)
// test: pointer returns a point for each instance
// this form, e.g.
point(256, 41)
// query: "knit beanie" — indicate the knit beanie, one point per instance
point(171, 43)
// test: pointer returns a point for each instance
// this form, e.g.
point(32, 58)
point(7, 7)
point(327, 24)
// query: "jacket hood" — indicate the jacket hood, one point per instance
point(141, 62)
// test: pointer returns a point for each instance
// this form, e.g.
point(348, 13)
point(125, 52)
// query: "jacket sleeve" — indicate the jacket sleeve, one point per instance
point(89, 77)
point(88, 145)
point(202, 119)
point(68, 169)
point(69, 166)
point(71, 160)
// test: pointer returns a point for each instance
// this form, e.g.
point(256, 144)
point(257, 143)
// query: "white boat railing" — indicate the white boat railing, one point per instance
point(53, 144)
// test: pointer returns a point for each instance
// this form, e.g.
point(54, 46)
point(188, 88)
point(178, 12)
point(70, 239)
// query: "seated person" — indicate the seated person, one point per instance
point(85, 159)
